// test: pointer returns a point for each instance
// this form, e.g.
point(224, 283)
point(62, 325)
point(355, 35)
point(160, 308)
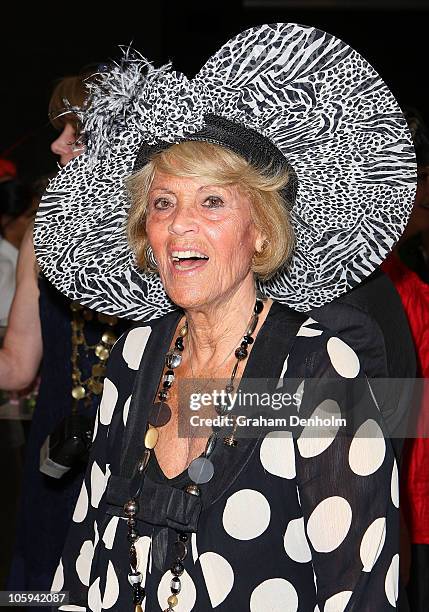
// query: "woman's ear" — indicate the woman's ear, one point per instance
point(261, 242)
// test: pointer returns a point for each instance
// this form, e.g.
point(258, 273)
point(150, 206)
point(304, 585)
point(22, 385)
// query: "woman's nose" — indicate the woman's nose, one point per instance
point(184, 220)
point(60, 146)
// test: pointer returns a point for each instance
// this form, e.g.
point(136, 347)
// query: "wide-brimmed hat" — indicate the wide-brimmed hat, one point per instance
point(303, 98)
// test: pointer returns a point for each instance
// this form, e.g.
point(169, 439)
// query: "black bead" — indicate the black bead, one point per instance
point(259, 307)
point(177, 568)
point(131, 522)
point(170, 373)
point(241, 353)
point(133, 557)
point(180, 550)
point(244, 344)
point(131, 507)
point(179, 344)
point(248, 339)
point(163, 395)
point(183, 537)
point(138, 594)
point(166, 384)
point(132, 536)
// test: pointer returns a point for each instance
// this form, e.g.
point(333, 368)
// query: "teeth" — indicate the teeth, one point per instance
point(178, 255)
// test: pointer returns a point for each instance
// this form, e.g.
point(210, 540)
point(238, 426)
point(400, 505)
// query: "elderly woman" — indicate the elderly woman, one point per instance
point(175, 519)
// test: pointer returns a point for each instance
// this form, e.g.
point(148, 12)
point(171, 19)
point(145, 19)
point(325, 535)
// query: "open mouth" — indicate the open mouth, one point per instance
point(188, 260)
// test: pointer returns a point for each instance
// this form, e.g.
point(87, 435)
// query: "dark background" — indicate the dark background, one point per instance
point(41, 44)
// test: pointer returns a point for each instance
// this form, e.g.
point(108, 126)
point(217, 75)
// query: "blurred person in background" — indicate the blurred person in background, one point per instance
point(17, 210)
point(75, 344)
point(407, 267)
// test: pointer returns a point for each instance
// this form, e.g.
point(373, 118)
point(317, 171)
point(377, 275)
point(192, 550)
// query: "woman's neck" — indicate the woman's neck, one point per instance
point(215, 330)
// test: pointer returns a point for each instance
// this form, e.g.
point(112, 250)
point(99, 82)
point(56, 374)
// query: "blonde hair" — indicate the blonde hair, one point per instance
point(220, 166)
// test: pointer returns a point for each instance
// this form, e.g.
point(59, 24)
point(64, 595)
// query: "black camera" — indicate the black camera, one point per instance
point(67, 446)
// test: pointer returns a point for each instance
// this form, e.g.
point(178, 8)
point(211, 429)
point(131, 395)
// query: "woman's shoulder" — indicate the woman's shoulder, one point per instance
point(315, 347)
point(132, 344)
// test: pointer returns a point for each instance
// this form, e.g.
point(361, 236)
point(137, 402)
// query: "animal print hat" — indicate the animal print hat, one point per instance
point(287, 93)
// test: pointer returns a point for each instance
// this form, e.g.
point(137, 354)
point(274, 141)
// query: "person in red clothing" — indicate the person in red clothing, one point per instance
point(407, 268)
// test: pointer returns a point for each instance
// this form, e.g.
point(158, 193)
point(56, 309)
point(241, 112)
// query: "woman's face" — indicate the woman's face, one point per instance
point(203, 239)
point(64, 146)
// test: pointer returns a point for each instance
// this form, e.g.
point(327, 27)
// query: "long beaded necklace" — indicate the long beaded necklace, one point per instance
point(200, 470)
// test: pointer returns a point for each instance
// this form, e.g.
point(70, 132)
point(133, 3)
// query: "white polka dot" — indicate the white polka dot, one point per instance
point(58, 581)
point(96, 536)
point(187, 594)
point(329, 523)
point(98, 484)
point(84, 561)
point(277, 454)
point(110, 532)
point(391, 582)
point(343, 358)
point(315, 439)
point(275, 595)
point(218, 576)
point(247, 514)
point(298, 395)
point(81, 507)
point(368, 448)
point(135, 345)
point(126, 410)
point(72, 608)
point(372, 543)
point(94, 435)
point(111, 592)
point(283, 372)
point(108, 402)
point(194, 547)
point(94, 596)
point(307, 331)
point(143, 549)
point(295, 541)
point(338, 602)
point(394, 485)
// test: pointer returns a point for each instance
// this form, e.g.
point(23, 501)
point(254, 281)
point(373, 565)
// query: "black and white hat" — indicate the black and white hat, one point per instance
point(285, 92)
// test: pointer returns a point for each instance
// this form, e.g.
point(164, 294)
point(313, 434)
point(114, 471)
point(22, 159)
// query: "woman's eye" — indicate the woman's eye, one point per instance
point(161, 204)
point(213, 202)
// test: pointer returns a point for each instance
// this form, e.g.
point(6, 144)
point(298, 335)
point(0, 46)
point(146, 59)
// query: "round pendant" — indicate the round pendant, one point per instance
point(151, 438)
point(104, 354)
point(108, 337)
point(78, 392)
point(173, 359)
point(159, 414)
point(201, 470)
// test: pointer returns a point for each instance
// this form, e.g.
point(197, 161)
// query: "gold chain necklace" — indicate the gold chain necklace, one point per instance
point(86, 389)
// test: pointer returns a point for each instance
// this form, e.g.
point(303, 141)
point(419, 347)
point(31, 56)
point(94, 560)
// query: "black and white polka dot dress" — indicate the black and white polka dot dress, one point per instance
point(287, 524)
